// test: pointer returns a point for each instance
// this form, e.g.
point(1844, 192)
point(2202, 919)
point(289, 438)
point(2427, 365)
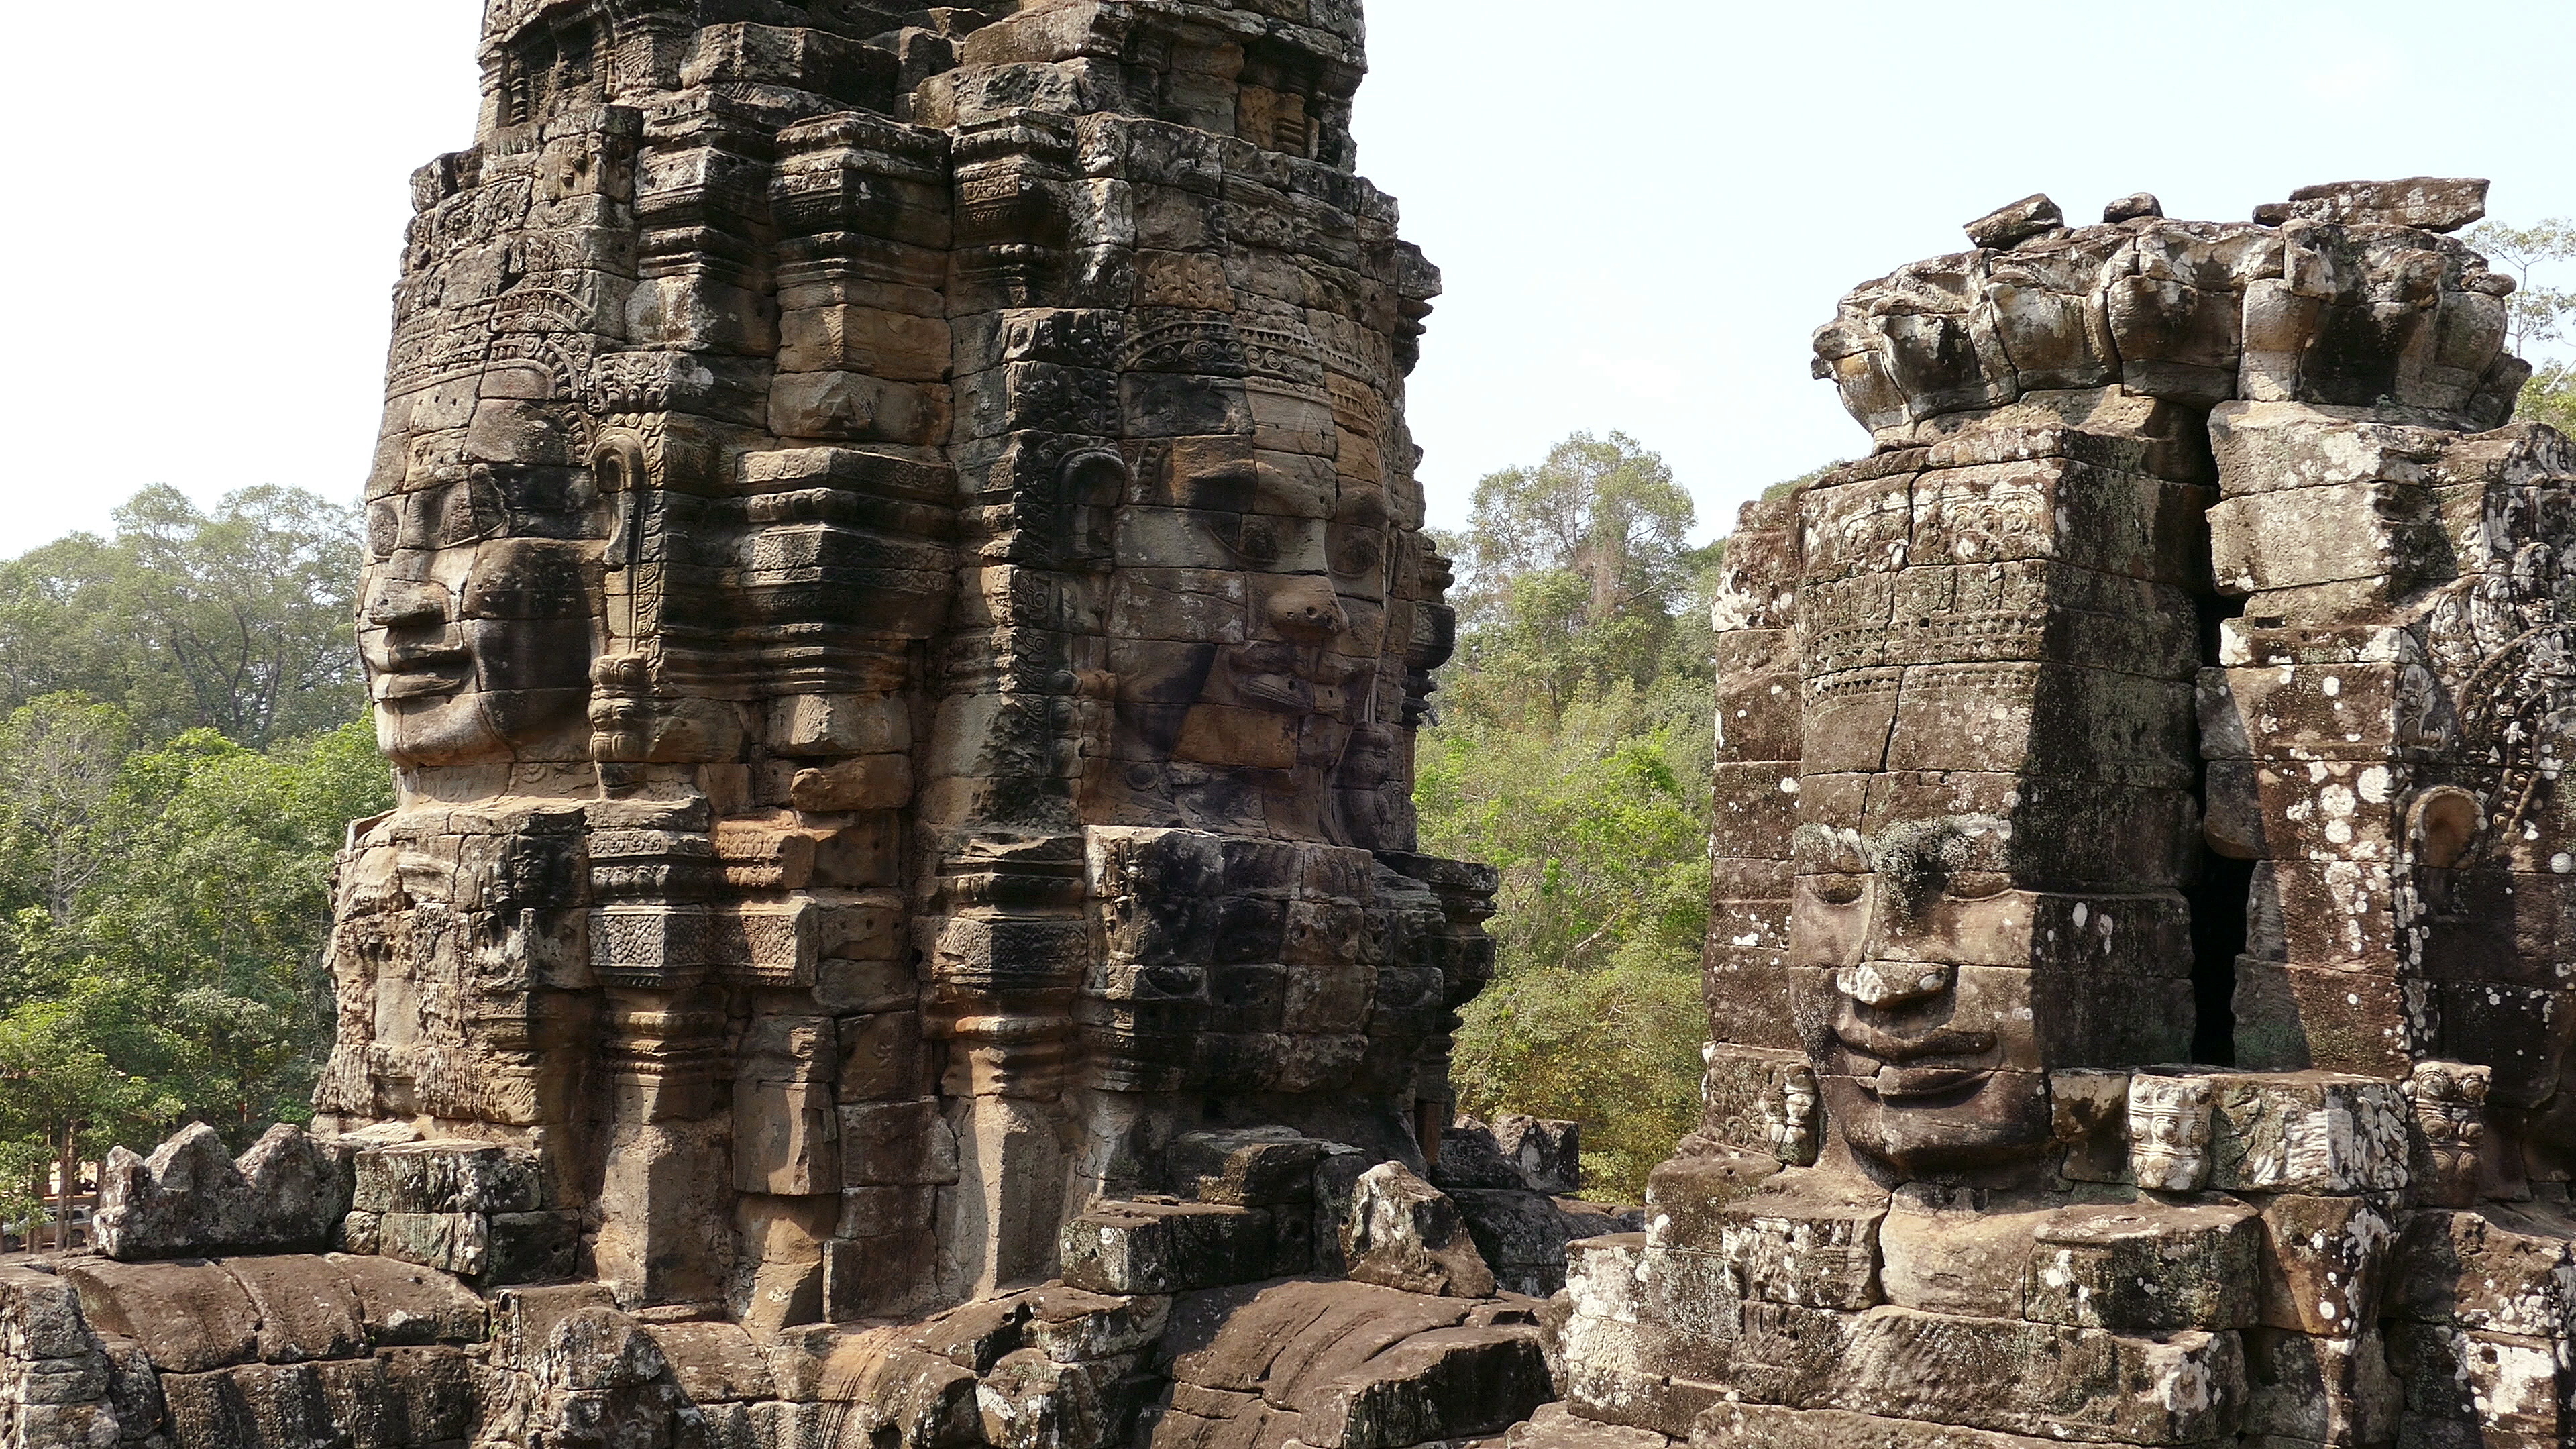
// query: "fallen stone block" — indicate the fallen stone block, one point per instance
point(1448, 1384)
point(1138, 1247)
point(1554, 1426)
point(1255, 1167)
point(1403, 1233)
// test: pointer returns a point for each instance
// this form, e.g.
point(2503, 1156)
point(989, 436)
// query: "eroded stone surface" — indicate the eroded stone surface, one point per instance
point(2195, 568)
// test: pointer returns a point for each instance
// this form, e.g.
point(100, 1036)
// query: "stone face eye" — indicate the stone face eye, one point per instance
point(1356, 553)
point(1976, 885)
point(384, 528)
point(1835, 890)
point(1258, 542)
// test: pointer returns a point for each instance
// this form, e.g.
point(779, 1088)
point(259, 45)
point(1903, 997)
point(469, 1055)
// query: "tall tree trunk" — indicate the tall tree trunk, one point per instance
point(66, 1184)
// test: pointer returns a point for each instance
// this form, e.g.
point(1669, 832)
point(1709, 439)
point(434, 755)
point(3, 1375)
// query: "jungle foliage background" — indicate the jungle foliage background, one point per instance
point(181, 750)
point(183, 742)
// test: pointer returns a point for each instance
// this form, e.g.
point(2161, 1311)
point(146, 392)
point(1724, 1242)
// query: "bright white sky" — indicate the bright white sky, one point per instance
point(1643, 206)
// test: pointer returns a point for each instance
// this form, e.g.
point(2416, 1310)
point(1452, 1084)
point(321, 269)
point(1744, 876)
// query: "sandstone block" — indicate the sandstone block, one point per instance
point(405, 1304)
point(1957, 1251)
point(2026, 1378)
point(41, 1318)
point(2307, 1132)
point(1808, 1238)
point(2493, 1270)
point(1446, 1384)
point(1770, 1426)
point(2324, 1263)
point(1258, 1167)
point(190, 1318)
point(2494, 1384)
point(1403, 1233)
point(2322, 1390)
point(1554, 1426)
point(2145, 1267)
point(448, 1177)
point(2008, 226)
point(896, 1144)
point(307, 1309)
point(1161, 1248)
point(459, 1243)
point(2433, 203)
point(1687, 1197)
point(1606, 1278)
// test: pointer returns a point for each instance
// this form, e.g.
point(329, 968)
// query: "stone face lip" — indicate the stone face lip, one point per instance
point(190, 1198)
point(2439, 204)
point(2009, 226)
point(1403, 1233)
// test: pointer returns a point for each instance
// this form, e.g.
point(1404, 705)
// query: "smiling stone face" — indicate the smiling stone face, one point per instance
point(476, 615)
point(1250, 632)
point(1914, 950)
point(1992, 812)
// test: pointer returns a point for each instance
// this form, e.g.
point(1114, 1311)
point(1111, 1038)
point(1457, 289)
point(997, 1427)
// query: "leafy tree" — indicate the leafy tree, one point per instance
point(235, 620)
point(2534, 313)
point(61, 759)
point(1573, 752)
point(1573, 571)
point(1599, 825)
point(162, 920)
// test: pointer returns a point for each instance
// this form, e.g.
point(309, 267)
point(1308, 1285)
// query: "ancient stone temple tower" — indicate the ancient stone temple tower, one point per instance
point(898, 604)
point(2138, 989)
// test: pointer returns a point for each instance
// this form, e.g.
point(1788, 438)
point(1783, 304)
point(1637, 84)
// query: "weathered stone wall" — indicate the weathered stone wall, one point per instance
point(2134, 977)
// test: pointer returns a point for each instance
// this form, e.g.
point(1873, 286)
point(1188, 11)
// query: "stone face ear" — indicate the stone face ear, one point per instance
point(2445, 825)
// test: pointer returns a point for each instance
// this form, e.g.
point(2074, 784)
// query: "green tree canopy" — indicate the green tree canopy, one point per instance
point(2536, 314)
point(162, 920)
point(234, 620)
point(1573, 573)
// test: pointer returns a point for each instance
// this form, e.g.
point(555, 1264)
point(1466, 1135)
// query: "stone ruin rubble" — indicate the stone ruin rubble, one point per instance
point(898, 602)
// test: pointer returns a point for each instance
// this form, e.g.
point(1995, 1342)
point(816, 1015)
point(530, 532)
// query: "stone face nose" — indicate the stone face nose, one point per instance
point(1307, 607)
point(394, 603)
point(1887, 983)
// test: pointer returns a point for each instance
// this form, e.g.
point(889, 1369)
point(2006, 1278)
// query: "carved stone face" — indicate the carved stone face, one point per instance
point(1248, 634)
point(476, 615)
point(1918, 999)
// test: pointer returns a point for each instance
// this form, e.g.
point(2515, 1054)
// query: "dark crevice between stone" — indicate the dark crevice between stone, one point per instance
point(2217, 894)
